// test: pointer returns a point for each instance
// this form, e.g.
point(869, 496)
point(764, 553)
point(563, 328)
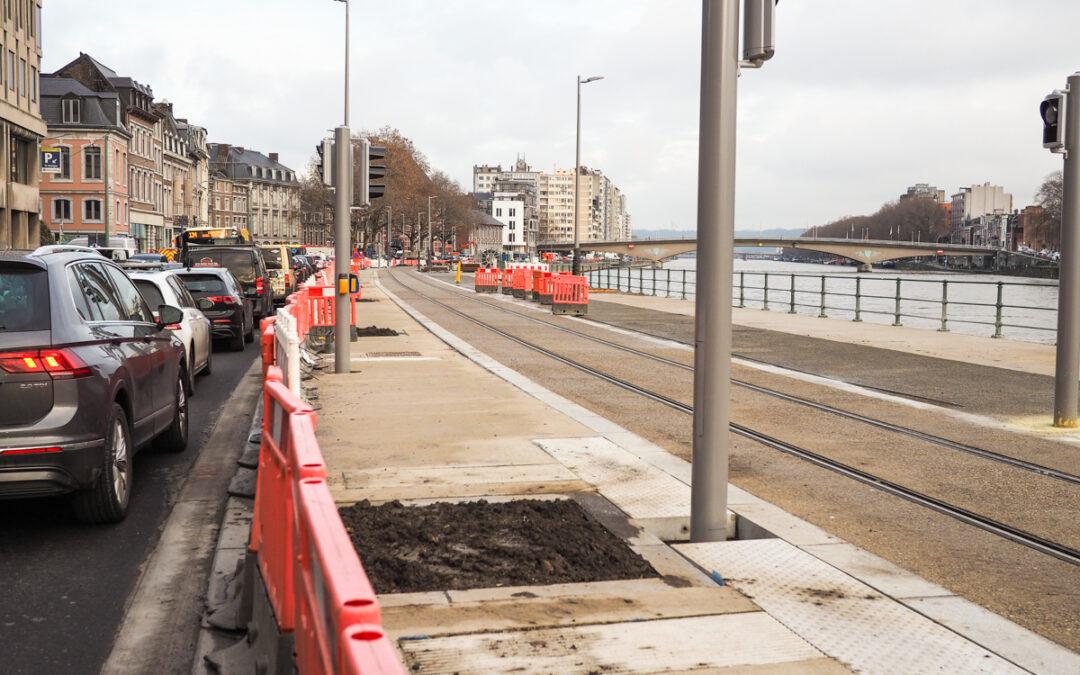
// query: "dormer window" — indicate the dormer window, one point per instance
point(70, 110)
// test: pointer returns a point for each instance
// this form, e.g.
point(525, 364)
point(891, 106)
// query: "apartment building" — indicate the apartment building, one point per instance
point(228, 203)
point(273, 191)
point(91, 187)
point(979, 200)
point(21, 125)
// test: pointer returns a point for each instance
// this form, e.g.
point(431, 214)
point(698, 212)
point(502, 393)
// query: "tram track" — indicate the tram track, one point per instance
point(967, 516)
point(983, 453)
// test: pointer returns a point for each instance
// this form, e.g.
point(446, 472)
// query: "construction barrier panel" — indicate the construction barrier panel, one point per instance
point(508, 281)
point(570, 295)
point(543, 287)
point(537, 281)
point(266, 343)
point(486, 280)
point(522, 282)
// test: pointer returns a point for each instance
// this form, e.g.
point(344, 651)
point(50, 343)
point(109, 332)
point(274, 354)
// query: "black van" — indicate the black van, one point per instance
point(247, 265)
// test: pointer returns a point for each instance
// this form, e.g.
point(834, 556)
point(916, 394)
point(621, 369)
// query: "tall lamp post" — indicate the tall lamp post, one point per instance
point(343, 164)
point(577, 169)
point(431, 237)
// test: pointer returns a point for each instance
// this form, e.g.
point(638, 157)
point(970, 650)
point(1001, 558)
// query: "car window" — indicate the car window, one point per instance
point(151, 293)
point(272, 256)
point(101, 298)
point(204, 283)
point(24, 298)
point(131, 302)
point(241, 263)
point(234, 283)
point(181, 293)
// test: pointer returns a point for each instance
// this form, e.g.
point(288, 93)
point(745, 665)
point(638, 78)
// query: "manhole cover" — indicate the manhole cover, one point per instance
point(385, 355)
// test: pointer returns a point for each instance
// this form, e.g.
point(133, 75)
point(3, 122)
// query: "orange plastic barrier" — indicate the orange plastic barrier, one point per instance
point(266, 342)
point(521, 283)
point(272, 529)
point(537, 280)
point(543, 287)
point(570, 295)
point(486, 280)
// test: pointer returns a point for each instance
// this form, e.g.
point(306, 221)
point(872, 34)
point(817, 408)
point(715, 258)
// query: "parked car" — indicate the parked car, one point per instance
point(222, 300)
point(88, 377)
point(307, 264)
point(148, 258)
point(246, 264)
point(282, 276)
point(165, 288)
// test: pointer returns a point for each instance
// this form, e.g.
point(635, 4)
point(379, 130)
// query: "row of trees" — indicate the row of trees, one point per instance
point(410, 181)
point(1046, 226)
point(915, 219)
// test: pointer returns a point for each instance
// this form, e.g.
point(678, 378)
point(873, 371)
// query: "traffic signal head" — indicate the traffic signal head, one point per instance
point(1052, 110)
point(759, 18)
point(368, 177)
point(325, 165)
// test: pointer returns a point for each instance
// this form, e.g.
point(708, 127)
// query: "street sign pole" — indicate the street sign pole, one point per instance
point(1067, 366)
point(716, 232)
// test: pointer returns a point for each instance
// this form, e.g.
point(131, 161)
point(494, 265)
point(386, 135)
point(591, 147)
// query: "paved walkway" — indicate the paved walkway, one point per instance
point(802, 600)
point(1025, 357)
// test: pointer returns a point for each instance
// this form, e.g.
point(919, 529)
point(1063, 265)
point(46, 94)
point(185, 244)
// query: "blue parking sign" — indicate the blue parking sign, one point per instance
point(50, 160)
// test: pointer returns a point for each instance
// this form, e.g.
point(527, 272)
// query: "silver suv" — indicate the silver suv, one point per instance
point(88, 376)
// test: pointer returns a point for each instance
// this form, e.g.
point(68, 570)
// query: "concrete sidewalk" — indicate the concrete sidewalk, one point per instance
point(1028, 357)
point(796, 598)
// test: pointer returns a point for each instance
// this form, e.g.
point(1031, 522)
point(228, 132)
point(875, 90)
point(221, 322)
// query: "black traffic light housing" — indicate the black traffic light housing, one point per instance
point(368, 177)
point(1052, 110)
point(325, 166)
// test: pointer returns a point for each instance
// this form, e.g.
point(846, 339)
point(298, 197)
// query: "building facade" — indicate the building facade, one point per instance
point(924, 190)
point(91, 188)
point(21, 125)
point(978, 200)
point(273, 191)
point(228, 203)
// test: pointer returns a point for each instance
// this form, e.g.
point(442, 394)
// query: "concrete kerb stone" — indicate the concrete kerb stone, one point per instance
point(761, 519)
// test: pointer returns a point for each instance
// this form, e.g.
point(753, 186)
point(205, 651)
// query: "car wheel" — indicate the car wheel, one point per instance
point(236, 342)
point(190, 383)
point(175, 438)
point(106, 501)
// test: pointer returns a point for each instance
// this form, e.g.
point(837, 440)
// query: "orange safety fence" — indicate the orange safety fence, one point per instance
point(507, 281)
point(569, 294)
point(486, 280)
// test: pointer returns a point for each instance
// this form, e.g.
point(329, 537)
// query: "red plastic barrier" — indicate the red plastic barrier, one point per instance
point(486, 280)
point(507, 281)
point(543, 287)
point(266, 342)
point(272, 528)
point(570, 295)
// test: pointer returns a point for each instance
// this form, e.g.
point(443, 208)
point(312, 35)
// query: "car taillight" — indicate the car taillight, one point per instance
point(288, 279)
point(60, 364)
point(172, 326)
point(30, 451)
point(259, 286)
point(223, 299)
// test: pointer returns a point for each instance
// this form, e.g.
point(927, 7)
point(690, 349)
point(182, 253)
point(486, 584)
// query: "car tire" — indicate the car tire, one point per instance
point(106, 501)
point(190, 382)
point(175, 438)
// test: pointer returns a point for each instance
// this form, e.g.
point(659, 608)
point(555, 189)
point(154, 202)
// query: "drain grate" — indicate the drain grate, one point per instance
point(386, 355)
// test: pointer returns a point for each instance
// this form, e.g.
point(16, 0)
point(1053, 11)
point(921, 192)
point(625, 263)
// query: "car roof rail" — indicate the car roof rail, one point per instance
point(63, 248)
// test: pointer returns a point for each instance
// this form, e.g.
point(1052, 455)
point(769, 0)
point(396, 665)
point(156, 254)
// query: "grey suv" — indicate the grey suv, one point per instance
point(87, 377)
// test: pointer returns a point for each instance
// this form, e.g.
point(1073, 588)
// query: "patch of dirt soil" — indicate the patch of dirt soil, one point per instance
point(446, 546)
point(375, 331)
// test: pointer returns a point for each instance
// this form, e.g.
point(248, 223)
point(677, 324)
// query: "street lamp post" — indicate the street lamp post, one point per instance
point(576, 269)
point(431, 237)
point(343, 164)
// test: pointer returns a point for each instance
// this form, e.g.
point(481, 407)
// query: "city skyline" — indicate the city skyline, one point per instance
point(817, 126)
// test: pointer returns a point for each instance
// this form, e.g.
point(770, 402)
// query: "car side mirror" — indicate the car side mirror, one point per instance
point(204, 304)
point(168, 315)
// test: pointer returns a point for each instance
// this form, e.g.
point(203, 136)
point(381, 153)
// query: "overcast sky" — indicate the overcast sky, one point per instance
point(863, 97)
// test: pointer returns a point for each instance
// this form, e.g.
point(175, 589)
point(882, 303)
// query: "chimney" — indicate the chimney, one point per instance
point(273, 157)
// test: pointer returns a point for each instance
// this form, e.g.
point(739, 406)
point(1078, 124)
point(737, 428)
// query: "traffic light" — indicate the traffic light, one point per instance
point(325, 166)
point(759, 17)
point(367, 177)
point(1052, 110)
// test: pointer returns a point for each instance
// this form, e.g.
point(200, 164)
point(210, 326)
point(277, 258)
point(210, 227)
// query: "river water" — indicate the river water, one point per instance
point(1028, 307)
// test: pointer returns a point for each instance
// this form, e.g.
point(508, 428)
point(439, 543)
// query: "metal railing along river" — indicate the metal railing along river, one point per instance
point(1019, 310)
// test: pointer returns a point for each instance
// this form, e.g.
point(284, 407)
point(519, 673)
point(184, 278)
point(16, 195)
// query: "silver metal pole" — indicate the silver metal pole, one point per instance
point(431, 237)
point(1067, 367)
point(347, 63)
point(342, 247)
point(716, 231)
point(389, 220)
point(576, 263)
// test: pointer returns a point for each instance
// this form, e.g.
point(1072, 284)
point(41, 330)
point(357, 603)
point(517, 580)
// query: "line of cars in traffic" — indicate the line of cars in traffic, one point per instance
point(98, 359)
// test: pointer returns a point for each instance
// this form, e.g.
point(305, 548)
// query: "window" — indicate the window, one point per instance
point(150, 292)
point(181, 293)
point(61, 209)
point(513, 212)
point(70, 111)
point(65, 164)
point(22, 77)
point(92, 210)
point(118, 219)
point(33, 83)
point(23, 152)
point(92, 163)
point(498, 212)
point(95, 297)
point(131, 301)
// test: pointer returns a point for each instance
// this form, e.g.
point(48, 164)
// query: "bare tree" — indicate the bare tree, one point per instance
point(1048, 222)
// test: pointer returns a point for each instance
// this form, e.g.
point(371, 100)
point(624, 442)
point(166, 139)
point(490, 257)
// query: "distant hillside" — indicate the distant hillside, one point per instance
point(690, 234)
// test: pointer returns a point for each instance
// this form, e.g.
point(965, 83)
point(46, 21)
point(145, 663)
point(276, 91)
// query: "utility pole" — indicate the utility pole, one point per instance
point(343, 178)
point(389, 220)
point(431, 237)
point(1063, 135)
point(576, 264)
point(420, 242)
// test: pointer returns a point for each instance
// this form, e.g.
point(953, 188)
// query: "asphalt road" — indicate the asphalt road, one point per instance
point(65, 584)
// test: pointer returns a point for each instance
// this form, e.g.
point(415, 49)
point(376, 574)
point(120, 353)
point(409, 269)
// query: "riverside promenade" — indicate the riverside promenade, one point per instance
point(429, 425)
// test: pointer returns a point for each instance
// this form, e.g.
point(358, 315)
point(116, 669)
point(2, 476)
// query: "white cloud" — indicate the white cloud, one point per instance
point(862, 99)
